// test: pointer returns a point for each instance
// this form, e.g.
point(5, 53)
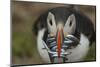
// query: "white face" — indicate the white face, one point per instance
point(68, 27)
point(51, 23)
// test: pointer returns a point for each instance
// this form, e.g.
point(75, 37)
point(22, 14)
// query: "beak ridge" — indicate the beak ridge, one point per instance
point(59, 41)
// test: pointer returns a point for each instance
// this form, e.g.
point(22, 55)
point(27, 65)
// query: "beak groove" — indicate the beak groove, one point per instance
point(59, 41)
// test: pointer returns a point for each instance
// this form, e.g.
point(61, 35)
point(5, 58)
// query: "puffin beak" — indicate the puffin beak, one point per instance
point(59, 41)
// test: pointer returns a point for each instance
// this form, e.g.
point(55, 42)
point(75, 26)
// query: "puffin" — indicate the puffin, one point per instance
point(63, 35)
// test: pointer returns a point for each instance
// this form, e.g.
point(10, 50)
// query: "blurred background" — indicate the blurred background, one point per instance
point(23, 16)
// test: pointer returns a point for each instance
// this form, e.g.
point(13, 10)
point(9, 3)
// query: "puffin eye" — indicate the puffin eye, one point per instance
point(70, 23)
point(50, 22)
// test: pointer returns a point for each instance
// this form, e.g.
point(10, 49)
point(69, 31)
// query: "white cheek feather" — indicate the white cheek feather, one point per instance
point(43, 53)
point(77, 53)
point(80, 51)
